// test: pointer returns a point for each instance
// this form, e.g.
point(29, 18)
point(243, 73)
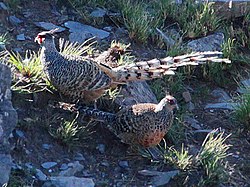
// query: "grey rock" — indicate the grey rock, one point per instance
point(64, 166)
point(80, 32)
point(48, 165)
point(190, 106)
point(192, 122)
point(209, 43)
point(17, 49)
point(40, 175)
point(246, 83)
point(109, 28)
point(20, 37)
point(200, 135)
point(159, 178)
point(49, 26)
point(1, 132)
point(72, 170)
point(29, 165)
point(14, 20)
point(69, 182)
point(105, 163)
point(8, 121)
point(2, 46)
point(47, 146)
point(225, 106)
point(187, 96)
point(3, 6)
point(79, 157)
point(244, 86)
point(86, 174)
point(18, 134)
point(123, 164)
point(101, 148)
point(5, 167)
point(98, 13)
point(221, 95)
point(136, 92)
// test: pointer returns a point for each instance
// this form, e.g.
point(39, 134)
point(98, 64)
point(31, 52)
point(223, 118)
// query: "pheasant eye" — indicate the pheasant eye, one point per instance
point(171, 102)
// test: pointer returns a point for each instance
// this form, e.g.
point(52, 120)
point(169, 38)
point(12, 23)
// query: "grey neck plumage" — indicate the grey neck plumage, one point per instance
point(161, 105)
point(48, 50)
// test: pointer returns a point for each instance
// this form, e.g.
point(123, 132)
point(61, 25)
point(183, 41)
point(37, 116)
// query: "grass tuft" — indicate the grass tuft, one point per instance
point(136, 19)
point(29, 76)
point(68, 132)
point(242, 111)
point(68, 48)
point(211, 158)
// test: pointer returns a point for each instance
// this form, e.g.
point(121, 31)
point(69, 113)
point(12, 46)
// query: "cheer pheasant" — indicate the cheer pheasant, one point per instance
point(86, 80)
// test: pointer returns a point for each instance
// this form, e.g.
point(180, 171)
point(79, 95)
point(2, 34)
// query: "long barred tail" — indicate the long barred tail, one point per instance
point(97, 114)
point(156, 68)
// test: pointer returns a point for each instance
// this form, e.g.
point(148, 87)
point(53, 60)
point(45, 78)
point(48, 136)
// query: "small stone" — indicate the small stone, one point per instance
point(79, 157)
point(20, 37)
point(101, 148)
point(123, 164)
point(1, 131)
point(74, 168)
point(192, 122)
point(18, 133)
point(109, 28)
point(47, 165)
point(40, 175)
point(105, 163)
point(17, 49)
point(49, 26)
point(86, 174)
point(187, 96)
point(190, 106)
point(98, 13)
point(64, 166)
point(14, 20)
point(47, 146)
point(3, 6)
point(28, 165)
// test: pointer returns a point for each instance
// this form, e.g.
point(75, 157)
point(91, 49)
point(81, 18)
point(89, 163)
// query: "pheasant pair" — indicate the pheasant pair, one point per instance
point(86, 80)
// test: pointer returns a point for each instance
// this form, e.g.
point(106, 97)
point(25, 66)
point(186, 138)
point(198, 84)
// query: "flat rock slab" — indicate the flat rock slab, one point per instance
point(209, 43)
point(48, 165)
point(225, 106)
point(49, 26)
point(80, 32)
point(159, 178)
point(136, 92)
point(69, 182)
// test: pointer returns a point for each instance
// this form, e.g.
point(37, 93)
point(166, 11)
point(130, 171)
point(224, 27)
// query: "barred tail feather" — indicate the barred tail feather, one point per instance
point(97, 114)
point(156, 68)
